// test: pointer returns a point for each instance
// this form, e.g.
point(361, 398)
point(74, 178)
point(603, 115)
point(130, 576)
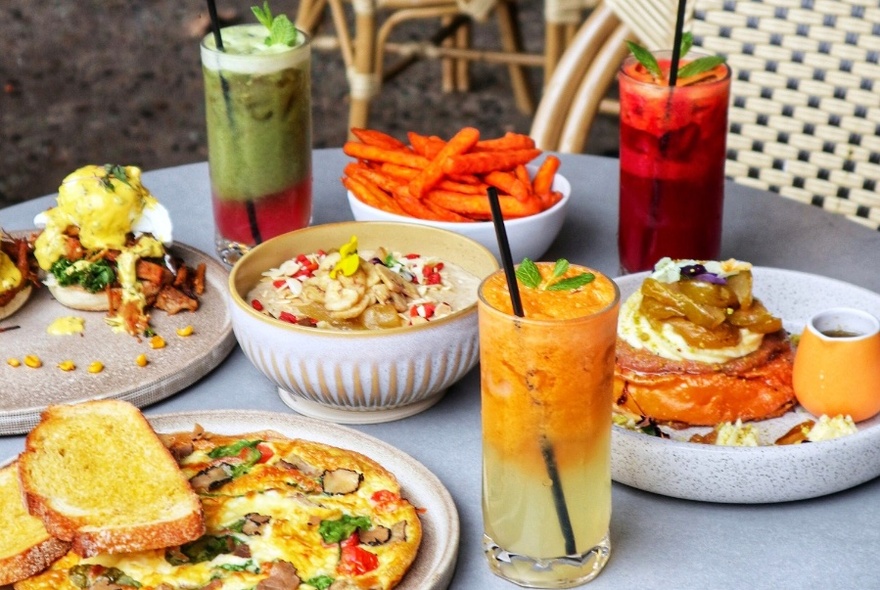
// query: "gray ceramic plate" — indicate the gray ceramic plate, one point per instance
point(758, 474)
point(435, 563)
point(25, 392)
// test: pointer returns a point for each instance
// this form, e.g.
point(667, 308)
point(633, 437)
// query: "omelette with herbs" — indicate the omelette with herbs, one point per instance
point(280, 514)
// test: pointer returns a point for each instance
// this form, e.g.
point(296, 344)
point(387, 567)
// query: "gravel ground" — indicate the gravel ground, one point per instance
point(98, 81)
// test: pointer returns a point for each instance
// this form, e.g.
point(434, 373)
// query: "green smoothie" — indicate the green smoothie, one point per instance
point(258, 112)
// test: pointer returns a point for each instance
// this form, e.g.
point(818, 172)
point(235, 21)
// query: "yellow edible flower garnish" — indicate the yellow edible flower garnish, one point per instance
point(349, 261)
point(33, 361)
point(96, 367)
point(13, 362)
point(141, 360)
point(67, 365)
point(184, 332)
point(157, 342)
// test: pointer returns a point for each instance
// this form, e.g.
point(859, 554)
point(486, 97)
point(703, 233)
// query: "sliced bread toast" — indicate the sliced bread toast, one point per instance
point(26, 547)
point(98, 476)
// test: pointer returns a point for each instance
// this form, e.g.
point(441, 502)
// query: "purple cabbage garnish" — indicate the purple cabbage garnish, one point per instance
point(698, 272)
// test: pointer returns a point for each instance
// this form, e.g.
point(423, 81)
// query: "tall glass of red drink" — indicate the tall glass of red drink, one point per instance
point(672, 151)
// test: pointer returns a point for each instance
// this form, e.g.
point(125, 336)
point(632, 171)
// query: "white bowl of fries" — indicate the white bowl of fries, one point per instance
point(362, 375)
point(391, 181)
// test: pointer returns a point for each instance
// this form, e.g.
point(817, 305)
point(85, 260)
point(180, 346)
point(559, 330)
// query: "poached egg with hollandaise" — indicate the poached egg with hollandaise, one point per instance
point(105, 221)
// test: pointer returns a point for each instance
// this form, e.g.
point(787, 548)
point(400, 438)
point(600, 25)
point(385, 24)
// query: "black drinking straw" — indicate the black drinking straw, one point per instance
point(224, 84)
point(676, 43)
point(673, 78)
point(546, 447)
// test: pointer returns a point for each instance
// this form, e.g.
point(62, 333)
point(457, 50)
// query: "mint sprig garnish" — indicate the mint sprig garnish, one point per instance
point(281, 30)
point(529, 275)
point(694, 68)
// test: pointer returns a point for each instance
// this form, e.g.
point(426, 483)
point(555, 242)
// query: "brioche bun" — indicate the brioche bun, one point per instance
point(14, 304)
point(756, 386)
point(75, 297)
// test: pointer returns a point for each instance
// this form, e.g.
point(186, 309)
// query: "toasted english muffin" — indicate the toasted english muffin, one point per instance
point(98, 476)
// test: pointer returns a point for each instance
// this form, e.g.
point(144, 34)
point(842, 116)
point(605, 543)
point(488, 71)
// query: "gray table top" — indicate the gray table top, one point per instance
point(828, 542)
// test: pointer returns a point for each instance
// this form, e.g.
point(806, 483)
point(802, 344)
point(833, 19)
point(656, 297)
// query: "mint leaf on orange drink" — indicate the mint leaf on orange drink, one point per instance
point(529, 275)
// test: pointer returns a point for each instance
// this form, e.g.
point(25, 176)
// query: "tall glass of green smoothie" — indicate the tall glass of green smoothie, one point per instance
point(259, 122)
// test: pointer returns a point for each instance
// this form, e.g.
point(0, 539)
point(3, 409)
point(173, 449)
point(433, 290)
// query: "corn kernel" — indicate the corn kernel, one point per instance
point(66, 365)
point(96, 367)
point(184, 332)
point(157, 342)
point(141, 360)
point(13, 362)
point(33, 361)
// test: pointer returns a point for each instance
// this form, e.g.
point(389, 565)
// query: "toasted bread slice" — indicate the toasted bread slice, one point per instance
point(26, 548)
point(98, 476)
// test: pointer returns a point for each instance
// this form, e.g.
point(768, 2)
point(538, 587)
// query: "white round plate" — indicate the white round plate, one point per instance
point(710, 473)
point(26, 392)
point(435, 562)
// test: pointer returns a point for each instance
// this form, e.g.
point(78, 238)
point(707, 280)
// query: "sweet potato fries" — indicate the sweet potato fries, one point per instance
point(448, 180)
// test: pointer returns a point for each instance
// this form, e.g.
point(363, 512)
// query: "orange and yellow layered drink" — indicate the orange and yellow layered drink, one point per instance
point(546, 381)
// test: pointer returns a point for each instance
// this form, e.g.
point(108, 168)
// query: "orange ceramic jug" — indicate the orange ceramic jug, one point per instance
point(837, 364)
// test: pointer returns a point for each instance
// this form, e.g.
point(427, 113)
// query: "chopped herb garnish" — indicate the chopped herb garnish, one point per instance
point(529, 275)
point(334, 531)
point(281, 30)
point(320, 582)
point(93, 276)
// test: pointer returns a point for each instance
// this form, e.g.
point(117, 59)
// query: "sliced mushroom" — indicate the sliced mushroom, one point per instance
point(254, 523)
point(242, 550)
point(342, 585)
point(211, 478)
point(398, 531)
point(181, 449)
point(378, 535)
point(341, 481)
point(282, 576)
point(294, 461)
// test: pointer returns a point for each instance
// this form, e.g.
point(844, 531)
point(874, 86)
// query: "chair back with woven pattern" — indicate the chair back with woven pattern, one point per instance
point(805, 97)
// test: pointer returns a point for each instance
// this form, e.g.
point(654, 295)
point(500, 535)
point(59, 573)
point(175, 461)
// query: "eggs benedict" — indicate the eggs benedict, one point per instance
point(695, 347)
point(16, 275)
point(103, 248)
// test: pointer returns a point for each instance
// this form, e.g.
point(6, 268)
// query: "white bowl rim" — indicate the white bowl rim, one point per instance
point(458, 225)
point(239, 301)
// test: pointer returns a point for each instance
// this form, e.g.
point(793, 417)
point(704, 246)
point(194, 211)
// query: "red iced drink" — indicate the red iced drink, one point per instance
point(672, 153)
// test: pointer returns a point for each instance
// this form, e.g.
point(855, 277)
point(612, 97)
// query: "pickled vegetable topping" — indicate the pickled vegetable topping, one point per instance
point(706, 309)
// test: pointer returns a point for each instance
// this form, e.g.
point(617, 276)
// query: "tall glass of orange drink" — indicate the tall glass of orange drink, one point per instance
point(672, 153)
point(546, 383)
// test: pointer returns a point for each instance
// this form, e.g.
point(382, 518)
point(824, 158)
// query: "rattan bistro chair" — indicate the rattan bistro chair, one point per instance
point(364, 45)
point(805, 111)
point(576, 93)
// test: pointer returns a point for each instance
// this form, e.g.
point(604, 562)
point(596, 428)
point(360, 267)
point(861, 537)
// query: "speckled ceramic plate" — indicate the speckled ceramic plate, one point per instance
point(435, 563)
point(25, 392)
point(758, 474)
